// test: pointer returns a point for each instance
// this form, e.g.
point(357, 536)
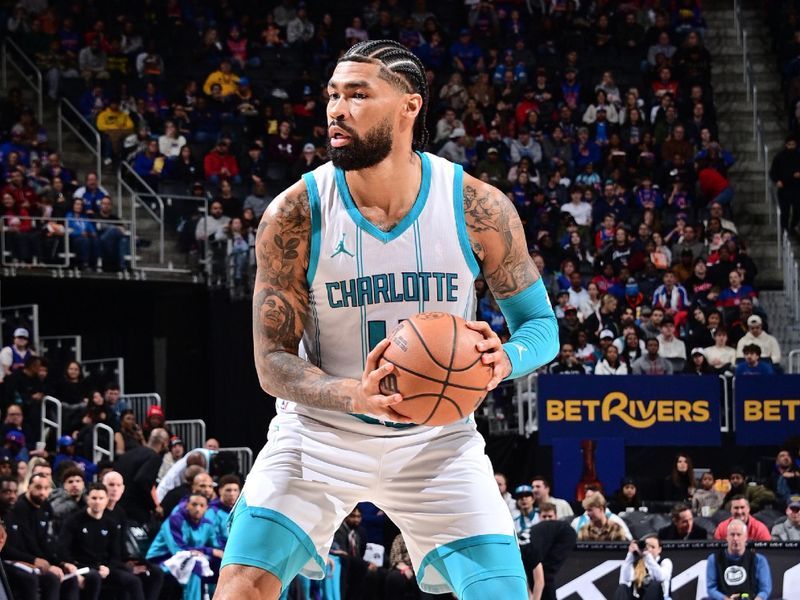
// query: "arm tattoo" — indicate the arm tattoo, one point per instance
point(498, 240)
point(281, 305)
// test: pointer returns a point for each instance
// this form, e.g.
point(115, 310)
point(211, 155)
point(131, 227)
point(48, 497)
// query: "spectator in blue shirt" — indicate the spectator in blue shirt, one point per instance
point(149, 163)
point(466, 54)
point(724, 578)
point(753, 365)
point(82, 235)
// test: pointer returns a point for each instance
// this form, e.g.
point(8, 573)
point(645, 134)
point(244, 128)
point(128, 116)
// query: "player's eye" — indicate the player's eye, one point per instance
point(333, 96)
point(359, 95)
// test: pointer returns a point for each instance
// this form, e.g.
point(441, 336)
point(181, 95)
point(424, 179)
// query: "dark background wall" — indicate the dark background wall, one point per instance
point(194, 346)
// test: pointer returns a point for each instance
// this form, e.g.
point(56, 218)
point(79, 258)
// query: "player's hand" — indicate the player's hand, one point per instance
point(493, 353)
point(57, 572)
point(368, 398)
point(104, 571)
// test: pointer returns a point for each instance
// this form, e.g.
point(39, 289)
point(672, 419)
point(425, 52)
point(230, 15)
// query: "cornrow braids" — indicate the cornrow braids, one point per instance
point(402, 68)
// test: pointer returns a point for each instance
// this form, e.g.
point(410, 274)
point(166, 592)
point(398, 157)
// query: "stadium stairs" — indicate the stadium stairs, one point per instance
point(735, 118)
point(76, 156)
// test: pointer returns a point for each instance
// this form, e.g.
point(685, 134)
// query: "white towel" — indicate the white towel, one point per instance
point(181, 565)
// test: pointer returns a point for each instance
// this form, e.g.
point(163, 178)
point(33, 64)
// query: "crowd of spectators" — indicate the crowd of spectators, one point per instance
point(597, 119)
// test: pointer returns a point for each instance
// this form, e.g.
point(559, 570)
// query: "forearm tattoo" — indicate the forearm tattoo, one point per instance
point(498, 240)
point(280, 307)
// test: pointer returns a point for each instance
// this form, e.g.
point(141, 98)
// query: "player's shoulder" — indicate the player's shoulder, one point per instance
point(291, 205)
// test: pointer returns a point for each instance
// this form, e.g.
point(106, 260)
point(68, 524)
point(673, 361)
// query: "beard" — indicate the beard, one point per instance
point(363, 153)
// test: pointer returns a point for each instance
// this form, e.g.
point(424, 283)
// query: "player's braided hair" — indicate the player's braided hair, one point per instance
point(403, 68)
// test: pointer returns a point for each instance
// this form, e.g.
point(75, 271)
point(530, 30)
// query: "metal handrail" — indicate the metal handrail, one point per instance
point(158, 217)
point(794, 358)
point(191, 431)
point(120, 366)
point(74, 339)
point(140, 403)
point(34, 321)
point(244, 457)
point(48, 422)
point(95, 149)
point(125, 223)
point(98, 452)
point(36, 86)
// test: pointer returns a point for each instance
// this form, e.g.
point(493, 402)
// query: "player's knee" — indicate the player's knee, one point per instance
point(241, 582)
point(506, 587)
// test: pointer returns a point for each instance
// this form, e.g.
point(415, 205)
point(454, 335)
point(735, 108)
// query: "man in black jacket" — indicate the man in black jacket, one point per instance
point(91, 539)
point(550, 546)
point(31, 544)
point(785, 173)
point(139, 469)
point(683, 527)
point(150, 574)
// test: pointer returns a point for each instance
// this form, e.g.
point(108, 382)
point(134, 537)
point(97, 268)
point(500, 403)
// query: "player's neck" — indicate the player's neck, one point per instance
point(391, 184)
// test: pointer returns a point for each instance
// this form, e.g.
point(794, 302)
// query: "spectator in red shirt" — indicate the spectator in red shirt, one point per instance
point(740, 509)
point(23, 194)
point(20, 240)
point(665, 84)
point(220, 164)
point(714, 186)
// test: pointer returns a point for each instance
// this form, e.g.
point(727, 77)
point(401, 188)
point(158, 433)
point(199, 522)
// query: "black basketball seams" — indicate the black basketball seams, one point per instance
point(435, 380)
point(436, 407)
point(425, 346)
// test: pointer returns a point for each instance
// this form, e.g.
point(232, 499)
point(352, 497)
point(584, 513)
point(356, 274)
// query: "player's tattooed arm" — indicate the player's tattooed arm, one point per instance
point(497, 239)
point(281, 304)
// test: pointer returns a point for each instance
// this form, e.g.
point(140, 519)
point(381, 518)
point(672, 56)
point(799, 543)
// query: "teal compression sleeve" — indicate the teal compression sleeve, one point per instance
point(533, 327)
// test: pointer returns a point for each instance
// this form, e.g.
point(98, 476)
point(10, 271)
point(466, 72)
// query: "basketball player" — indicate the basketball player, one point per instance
point(380, 233)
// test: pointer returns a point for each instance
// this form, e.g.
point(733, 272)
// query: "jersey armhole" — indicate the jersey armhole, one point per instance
point(461, 224)
point(316, 226)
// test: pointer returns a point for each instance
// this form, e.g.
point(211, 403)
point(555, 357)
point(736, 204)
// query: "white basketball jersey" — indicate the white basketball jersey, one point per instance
point(363, 281)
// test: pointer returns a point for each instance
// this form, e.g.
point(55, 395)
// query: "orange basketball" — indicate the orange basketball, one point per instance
point(437, 370)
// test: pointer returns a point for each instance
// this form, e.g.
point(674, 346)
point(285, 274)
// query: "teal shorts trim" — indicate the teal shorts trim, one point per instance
point(463, 562)
point(266, 539)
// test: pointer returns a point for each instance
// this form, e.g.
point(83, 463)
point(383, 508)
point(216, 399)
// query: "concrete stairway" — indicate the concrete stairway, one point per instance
point(735, 117)
point(781, 323)
point(76, 156)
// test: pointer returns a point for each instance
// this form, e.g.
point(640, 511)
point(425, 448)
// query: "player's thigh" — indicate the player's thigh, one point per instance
point(443, 497)
point(302, 485)
point(241, 582)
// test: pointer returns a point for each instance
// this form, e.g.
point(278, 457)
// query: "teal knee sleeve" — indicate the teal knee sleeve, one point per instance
point(491, 564)
point(268, 540)
point(512, 588)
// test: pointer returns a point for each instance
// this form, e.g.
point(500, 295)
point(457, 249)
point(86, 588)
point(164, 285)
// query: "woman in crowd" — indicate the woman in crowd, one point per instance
point(644, 574)
point(129, 435)
point(679, 485)
point(626, 497)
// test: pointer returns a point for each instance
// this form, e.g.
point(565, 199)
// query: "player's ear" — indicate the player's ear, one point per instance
point(412, 106)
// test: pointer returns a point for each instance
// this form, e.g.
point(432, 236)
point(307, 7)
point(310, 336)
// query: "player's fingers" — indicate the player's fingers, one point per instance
point(497, 377)
point(490, 358)
point(489, 344)
point(375, 375)
point(375, 354)
point(480, 326)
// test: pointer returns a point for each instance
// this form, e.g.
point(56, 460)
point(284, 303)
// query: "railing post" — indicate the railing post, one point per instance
point(5, 68)
point(60, 130)
point(755, 113)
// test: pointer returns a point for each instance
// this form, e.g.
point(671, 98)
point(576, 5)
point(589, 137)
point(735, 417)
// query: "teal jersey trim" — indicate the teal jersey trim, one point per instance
point(461, 224)
point(480, 557)
point(264, 538)
point(420, 268)
point(316, 226)
point(374, 421)
point(405, 223)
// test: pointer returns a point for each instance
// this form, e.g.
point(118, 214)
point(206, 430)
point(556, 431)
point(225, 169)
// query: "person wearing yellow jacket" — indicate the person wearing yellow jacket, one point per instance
point(224, 77)
point(114, 126)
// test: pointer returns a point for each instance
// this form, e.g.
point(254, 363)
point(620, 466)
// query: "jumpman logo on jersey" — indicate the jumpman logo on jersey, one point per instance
point(340, 249)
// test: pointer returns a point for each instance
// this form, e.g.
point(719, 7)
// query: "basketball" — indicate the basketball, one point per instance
point(438, 369)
